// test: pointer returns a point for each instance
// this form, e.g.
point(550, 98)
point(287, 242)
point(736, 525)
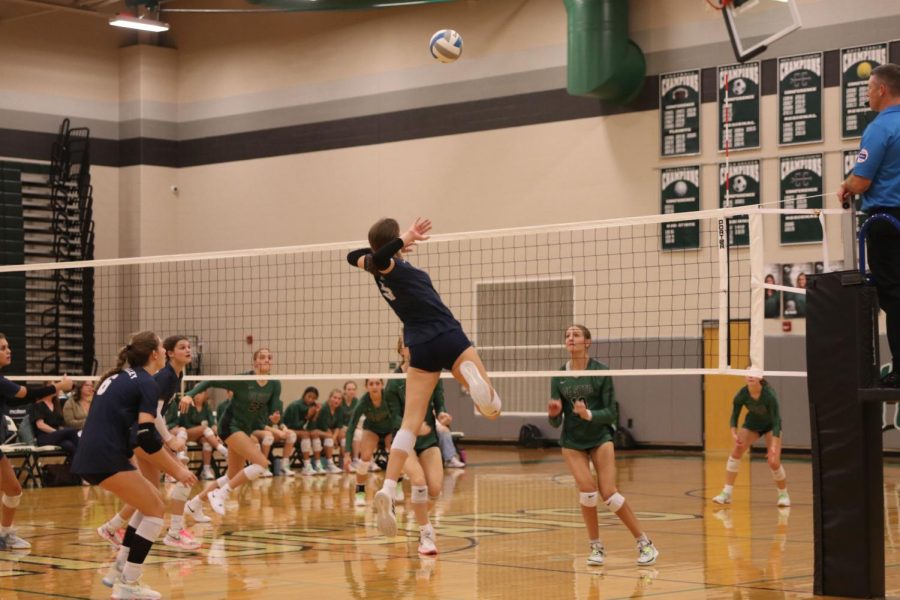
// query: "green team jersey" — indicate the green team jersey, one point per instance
point(395, 391)
point(251, 404)
point(599, 397)
point(347, 410)
point(296, 416)
point(192, 418)
point(222, 408)
point(328, 419)
point(379, 419)
point(762, 414)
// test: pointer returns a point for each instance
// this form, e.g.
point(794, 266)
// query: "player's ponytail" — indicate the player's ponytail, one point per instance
point(135, 354)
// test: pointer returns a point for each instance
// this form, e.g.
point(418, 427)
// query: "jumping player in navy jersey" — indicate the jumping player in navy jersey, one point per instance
point(13, 394)
point(435, 340)
point(125, 397)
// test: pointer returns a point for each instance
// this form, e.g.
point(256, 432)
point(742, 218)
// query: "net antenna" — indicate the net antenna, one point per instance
point(753, 25)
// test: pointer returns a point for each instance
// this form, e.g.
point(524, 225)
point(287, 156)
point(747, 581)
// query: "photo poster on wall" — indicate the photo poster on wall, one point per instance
point(800, 99)
point(801, 187)
point(773, 297)
point(679, 113)
point(680, 192)
point(738, 106)
point(856, 66)
point(795, 275)
point(742, 189)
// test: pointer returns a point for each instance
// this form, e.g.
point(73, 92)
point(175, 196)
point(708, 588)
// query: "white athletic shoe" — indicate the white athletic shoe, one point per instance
point(360, 499)
point(319, 469)
point(385, 518)
point(479, 390)
point(113, 574)
point(353, 464)
point(207, 473)
point(595, 558)
point(308, 470)
point(723, 498)
point(112, 537)
point(332, 469)
point(783, 498)
point(287, 471)
point(373, 467)
point(426, 542)
point(11, 541)
point(266, 473)
point(647, 554)
point(399, 496)
point(194, 509)
point(217, 499)
point(133, 590)
point(182, 540)
point(455, 463)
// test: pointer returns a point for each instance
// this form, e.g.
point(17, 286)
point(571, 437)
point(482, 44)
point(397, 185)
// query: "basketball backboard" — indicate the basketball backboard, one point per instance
point(754, 24)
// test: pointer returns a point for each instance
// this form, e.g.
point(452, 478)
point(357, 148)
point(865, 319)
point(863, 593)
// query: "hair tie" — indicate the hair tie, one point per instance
point(127, 347)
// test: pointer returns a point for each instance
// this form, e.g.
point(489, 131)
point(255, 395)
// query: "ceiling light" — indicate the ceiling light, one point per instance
point(141, 23)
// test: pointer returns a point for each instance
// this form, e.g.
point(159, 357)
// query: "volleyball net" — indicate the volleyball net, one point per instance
point(646, 287)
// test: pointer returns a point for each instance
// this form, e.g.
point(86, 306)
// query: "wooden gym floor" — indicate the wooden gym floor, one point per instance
point(508, 527)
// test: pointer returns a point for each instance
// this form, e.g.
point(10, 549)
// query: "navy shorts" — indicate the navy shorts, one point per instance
point(439, 353)
point(97, 478)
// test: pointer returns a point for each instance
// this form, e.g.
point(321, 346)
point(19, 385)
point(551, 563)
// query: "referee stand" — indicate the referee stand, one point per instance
point(845, 414)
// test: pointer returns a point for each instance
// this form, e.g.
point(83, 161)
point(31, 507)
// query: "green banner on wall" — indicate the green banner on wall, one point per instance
point(856, 65)
point(801, 187)
point(800, 99)
point(679, 113)
point(738, 106)
point(742, 189)
point(680, 192)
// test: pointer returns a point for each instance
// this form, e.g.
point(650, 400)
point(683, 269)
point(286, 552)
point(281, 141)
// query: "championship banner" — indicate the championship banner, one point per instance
point(856, 65)
point(800, 99)
point(739, 186)
point(679, 113)
point(801, 187)
point(739, 116)
point(680, 192)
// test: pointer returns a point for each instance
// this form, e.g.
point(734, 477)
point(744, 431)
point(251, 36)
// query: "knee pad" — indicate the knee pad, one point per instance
point(405, 441)
point(615, 502)
point(253, 471)
point(12, 501)
point(328, 443)
point(268, 439)
point(221, 481)
point(208, 432)
point(149, 528)
point(419, 494)
point(434, 498)
point(778, 474)
point(589, 499)
point(291, 437)
point(362, 467)
point(180, 492)
point(317, 445)
point(135, 520)
point(182, 434)
point(733, 465)
point(305, 446)
point(207, 447)
point(357, 435)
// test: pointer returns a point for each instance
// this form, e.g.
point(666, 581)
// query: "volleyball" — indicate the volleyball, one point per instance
point(446, 45)
point(864, 70)
point(681, 188)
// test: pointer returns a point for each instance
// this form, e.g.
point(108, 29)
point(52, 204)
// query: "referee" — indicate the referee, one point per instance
point(877, 177)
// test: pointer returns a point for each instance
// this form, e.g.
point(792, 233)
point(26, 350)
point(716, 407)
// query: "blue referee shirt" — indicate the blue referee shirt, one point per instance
point(879, 160)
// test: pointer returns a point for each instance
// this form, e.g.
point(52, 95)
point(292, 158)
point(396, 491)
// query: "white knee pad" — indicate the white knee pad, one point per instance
point(362, 467)
point(357, 435)
point(221, 481)
point(12, 501)
point(733, 465)
point(180, 492)
point(135, 520)
point(317, 445)
point(149, 528)
point(589, 499)
point(778, 474)
point(208, 433)
point(253, 471)
point(615, 502)
point(207, 447)
point(328, 443)
point(405, 440)
point(268, 439)
point(305, 446)
point(182, 434)
point(419, 494)
point(291, 437)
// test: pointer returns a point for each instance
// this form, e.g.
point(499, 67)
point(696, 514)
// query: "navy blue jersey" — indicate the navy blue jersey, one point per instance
point(105, 446)
point(410, 293)
point(8, 391)
point(169, 384)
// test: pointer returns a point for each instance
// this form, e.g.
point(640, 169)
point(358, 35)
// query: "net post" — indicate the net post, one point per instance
point(722, 228)
point(757, 292)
